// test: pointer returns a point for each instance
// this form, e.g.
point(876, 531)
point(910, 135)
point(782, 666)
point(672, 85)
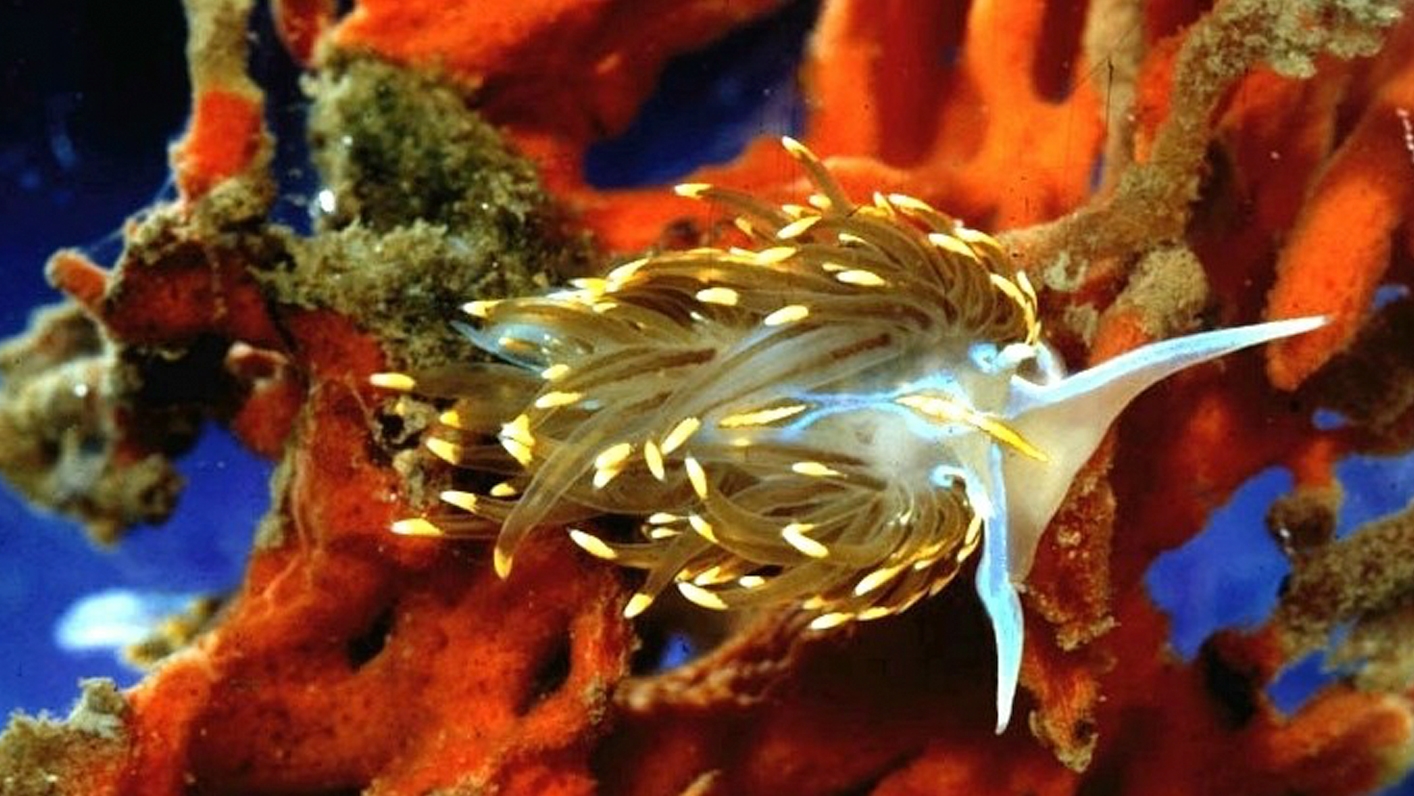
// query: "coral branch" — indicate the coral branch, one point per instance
point(1252, 158)
point(1153, 198)
point(1357, 203)
point(226, 136)
point(576, 69)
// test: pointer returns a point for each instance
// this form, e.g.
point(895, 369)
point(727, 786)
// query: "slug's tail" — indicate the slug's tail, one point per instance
point(1066, 420)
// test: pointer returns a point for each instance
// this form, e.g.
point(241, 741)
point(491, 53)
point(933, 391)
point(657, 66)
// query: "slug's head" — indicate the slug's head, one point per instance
point(827, 416)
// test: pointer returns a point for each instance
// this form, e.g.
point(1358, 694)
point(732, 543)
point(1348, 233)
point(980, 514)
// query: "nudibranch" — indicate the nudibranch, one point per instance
point(834, 415)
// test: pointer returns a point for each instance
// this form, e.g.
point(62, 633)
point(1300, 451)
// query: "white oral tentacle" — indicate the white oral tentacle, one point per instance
point(987, 493)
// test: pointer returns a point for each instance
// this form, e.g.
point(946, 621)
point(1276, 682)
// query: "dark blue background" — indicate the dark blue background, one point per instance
point(91, 95)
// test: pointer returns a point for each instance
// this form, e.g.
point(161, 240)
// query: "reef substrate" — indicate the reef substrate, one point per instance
point(1154, 167)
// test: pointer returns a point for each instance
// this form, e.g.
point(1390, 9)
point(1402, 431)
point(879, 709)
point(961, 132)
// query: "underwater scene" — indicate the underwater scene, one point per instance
point(707, 397)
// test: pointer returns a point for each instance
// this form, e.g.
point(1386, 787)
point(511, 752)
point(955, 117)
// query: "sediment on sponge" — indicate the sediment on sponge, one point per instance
point(42, 756)
point(61, 386)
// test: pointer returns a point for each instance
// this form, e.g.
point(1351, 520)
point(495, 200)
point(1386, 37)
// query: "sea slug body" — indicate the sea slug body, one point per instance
point(836, 414)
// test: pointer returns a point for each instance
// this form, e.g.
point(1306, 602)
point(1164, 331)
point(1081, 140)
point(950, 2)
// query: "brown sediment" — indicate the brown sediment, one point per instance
point(1345, 580)
point(84, 753)
point(66, 390)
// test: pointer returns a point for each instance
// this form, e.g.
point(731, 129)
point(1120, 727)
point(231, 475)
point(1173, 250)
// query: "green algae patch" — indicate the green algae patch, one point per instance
point(397, 146)
point(424, 208)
